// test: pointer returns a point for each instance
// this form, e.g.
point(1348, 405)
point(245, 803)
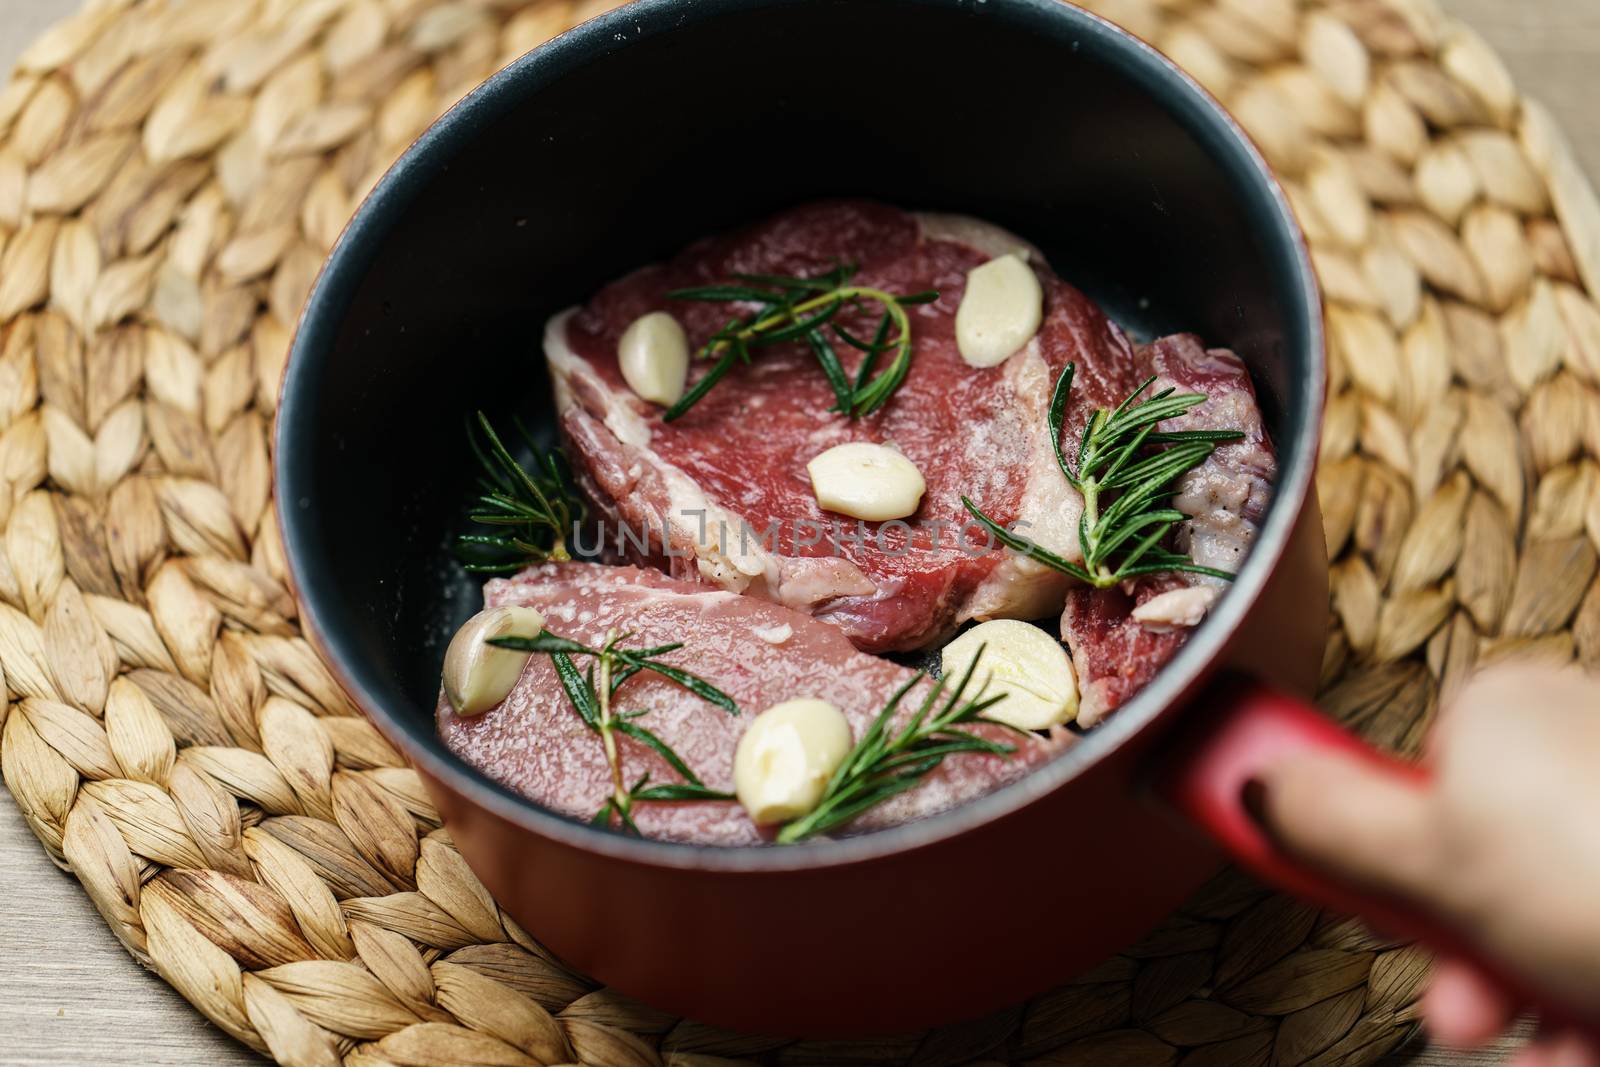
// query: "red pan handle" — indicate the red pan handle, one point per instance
point(1246, 726)
point(1241, 726)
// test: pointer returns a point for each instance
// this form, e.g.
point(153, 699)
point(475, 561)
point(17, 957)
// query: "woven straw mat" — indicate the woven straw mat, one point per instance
point(171, 174)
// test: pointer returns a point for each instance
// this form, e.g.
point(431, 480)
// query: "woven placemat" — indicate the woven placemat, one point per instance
point(171, 174)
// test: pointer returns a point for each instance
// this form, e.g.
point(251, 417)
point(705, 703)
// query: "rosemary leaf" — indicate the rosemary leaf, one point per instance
point(1127, 472)
point(1217, 436)
point(1057, 414)
point(543, 642)
point(590, 694)
point(829, 360)
point(696, 685)
point(658, 650)
point(798, 308)
point(797, 329)
point(959, 743)
point(536, 506)
point(1164, 520)
point(874, 347)
point(879, 345)
point(820, 284)
point(703, 386)
point(681, 791)
point(1025, 546)
point(622, 674)
point(1187, 568)
point(578, 690)
point(648, 738)
point(886, 761)
point(1159, 470)
point(876, 393)
point(841, 810)
point(721, 294)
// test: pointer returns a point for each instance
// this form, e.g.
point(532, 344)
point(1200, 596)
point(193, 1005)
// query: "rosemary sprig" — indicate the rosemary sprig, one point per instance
point(591, 693)
point(534, 507)
point(1125, 484)
point(794, 309)
point(887, 761)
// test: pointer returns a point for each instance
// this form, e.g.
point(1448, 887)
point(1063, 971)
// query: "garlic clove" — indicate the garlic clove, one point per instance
point(1000, 311)
point(478, 675)
point(866, 481)
point(786, 757)
point(1176, 609)
point(1022, 661)
point(654, 357)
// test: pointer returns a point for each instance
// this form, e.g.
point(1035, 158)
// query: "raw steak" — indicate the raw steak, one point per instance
point(758, 652)
point(710, 484)
point(1120, 638)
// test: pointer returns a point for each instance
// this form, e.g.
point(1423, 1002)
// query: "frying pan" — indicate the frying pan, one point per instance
point(620, 142)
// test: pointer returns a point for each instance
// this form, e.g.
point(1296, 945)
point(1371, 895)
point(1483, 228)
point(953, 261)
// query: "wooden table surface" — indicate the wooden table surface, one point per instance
point(69, 994)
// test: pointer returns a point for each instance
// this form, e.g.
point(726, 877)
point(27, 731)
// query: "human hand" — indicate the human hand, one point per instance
point(1504, 845)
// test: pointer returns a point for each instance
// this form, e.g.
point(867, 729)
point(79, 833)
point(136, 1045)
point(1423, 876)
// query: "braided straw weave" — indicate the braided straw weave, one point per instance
point(171, 174)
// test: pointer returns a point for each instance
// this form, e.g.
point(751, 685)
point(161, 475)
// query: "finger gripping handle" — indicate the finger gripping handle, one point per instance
point(1240, 727)
point(1208, 775)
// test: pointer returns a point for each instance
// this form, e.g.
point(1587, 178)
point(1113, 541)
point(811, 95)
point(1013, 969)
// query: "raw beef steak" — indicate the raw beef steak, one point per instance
point(709, 485)
point(758, 652)
point(1120, 638)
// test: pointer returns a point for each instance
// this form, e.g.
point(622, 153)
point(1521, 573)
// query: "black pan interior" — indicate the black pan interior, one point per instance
point(621, 143)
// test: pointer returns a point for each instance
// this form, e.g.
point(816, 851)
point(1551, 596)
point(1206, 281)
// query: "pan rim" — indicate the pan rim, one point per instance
point(385, 204)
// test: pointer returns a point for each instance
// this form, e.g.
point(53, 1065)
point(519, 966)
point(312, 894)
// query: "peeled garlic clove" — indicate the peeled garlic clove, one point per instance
point(785, 758)
point(1000, 311)
point(654, 357)
point(1022, 661)
point(478, 675)
point(866, 481)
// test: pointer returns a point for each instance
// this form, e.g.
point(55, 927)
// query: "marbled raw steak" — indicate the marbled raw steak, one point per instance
point(707, 485)
point(737, 460)
point(758, 652)
point(1116, 654)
